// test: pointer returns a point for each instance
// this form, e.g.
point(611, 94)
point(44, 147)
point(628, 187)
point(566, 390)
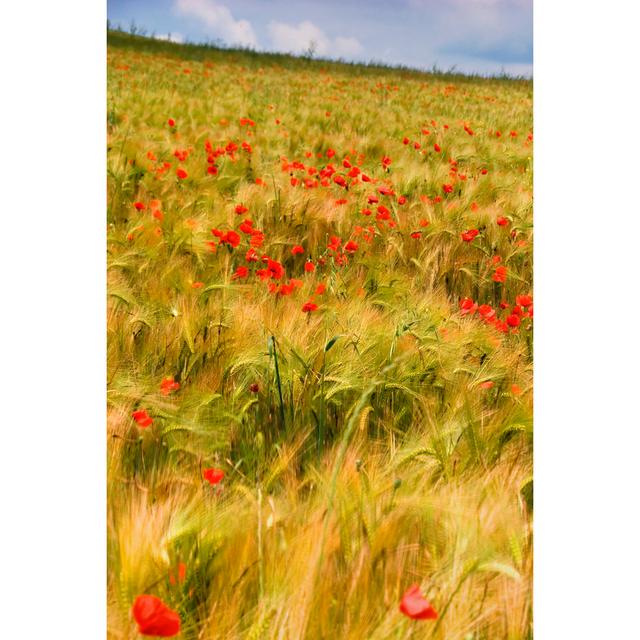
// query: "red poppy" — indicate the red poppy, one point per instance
point(437, 148)
point(447, 188)
point(297, 250)
point(231, 238)
point(468, 236)
point(240, 272)
point(487, 384)
point(502, 221)
point(402, 200)
point(309, 267)
point(416, 234)
point(405, 140)
point(247, 227)
point(171, 122)
point(275, 269)
point(213, 476)
point(467, 305)
point(386, 161)
point(500, 274)
point(212, 170)
point(308, 307)
point(142, 418)
point(182, 174)
point(197, 285)
point(516, 390)
point(240, 209)
point(416, 606)
point(168, 385)
point(513, 320)
point(139, 206)
point(524, 301)
point(486, 311)
point(154, 618)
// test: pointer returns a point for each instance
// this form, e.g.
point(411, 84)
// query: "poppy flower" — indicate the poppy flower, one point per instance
point(139, 206)
point(386, 161)
point(297, 250)
point(240, 272)
point(402, 200)
point(213, 476)
point(142, 418)
point(168, 385)
point(486, 311)
point(469, 235)
point(447, 188)
point(182, 174)
point(500, 274)
point(231, 238)
point(524, 301)
point(308, 307)
point(502, 221)
point(416, 606)
point(513, 320)
point(212, 170)
point(275, 269)
point(437, 148)
point(197, 285)
point(487, 384)
point(405, 140)
point(467, 305)
point(240, 209)
point(309, 267)
point(516, 390)
point(254, 387)
point(171, 122)
point(247, 227)
point(154, 618)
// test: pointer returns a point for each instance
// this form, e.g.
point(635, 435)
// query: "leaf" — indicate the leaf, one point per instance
point(500, 567)
point(331, 343)
point(125, 296)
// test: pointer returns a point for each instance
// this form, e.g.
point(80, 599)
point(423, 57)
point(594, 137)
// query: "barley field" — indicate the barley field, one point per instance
point(319, 350)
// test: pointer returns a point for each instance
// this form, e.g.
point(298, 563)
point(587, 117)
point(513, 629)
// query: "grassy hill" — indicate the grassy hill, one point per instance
point(319, 345)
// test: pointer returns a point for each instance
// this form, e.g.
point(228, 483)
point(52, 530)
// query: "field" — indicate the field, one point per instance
point(319, 346)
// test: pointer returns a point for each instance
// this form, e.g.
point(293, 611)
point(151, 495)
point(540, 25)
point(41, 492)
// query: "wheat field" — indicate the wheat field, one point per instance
point(319, 350)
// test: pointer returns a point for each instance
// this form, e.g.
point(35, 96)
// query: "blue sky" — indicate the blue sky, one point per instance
point(484, 36)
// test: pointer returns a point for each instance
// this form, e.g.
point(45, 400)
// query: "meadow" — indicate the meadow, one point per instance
point(319, 356)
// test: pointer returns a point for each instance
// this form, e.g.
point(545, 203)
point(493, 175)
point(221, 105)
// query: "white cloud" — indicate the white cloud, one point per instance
point(220, 20)
point(306, 36)
point(170, 37)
